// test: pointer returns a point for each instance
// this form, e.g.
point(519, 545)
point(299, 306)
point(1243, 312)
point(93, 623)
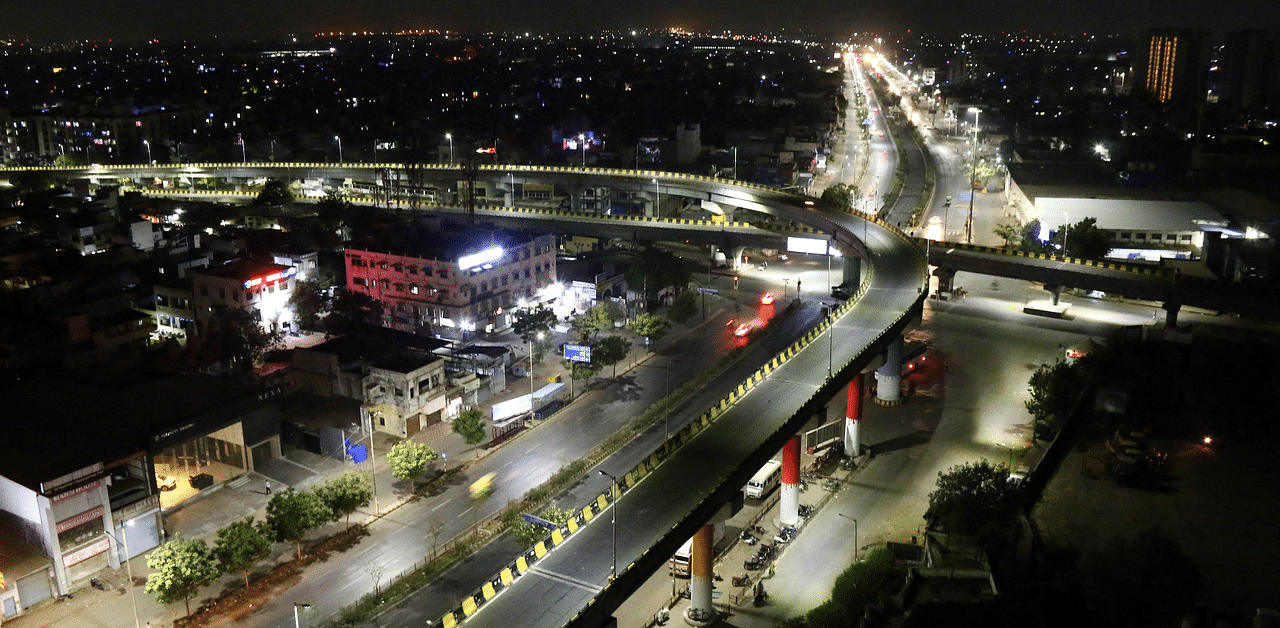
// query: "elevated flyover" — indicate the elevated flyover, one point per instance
point(1135, 281)
point(680, 487)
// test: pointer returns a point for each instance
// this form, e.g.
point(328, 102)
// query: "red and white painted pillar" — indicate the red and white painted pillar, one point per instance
point(889, 376)
point(700, 575)
point(789, 505)
point(853, 416)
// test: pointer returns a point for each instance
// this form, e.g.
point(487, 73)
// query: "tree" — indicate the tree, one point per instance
point(309, 300)
point(239, 337)
point(291, 514)
point(595, 320)
point(610, 351)
point(346, 493)
point(1054, 391)
point(839, 196)
point(179, 568)
point(470, 426)
point(1084, 240)
point(1010, 230)
point(70, 160)
point(275, 192)
point(532, 322)
point(239, 546)
point(654, 269)
point(409, 460)
point(684, 306)
point(651, 326)
point(973, 498)
point(351, 311)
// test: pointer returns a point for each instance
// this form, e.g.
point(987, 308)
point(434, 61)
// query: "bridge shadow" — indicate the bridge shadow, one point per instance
point(906, 441)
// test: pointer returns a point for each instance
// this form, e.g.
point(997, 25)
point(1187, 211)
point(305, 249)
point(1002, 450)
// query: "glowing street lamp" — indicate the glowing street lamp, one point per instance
point(148, 145)
point(339, 148)
point(449, 136)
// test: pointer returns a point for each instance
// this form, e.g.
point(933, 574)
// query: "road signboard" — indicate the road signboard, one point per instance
point(538, 521)
point(708, 291)
point(577, 353)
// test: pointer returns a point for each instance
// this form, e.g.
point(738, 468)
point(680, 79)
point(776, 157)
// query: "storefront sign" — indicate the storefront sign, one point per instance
point(69, 494)
point(82, 518)
point(86, 552)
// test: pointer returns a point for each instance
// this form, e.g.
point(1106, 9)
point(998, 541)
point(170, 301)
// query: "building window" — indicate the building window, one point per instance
point(359, 281)
point(413, 288)
point(443, 273)
point(386, 284)
point(382, 265)
point(399, 287)
point(1186, 237)
point(1124, 235)
point(1139, 236)
point(413, 270)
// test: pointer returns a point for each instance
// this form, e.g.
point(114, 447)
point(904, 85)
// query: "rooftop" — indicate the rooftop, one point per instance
point(1117, 214)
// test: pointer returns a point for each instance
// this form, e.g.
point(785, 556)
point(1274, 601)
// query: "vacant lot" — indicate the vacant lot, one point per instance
point(1222, 502)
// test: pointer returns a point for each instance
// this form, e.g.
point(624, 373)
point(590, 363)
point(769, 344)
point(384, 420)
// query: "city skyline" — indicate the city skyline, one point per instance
point(95, 20)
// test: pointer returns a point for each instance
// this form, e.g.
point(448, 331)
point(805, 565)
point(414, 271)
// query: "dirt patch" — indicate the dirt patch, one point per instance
point(243, 602)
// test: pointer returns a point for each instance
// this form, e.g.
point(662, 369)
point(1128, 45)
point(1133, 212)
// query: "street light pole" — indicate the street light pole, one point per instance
point(855, 534)
point(735, 163)
point(128, 567)
point(613, 570)
point(148, 145)
point(339, 147)
point(296, 606)
point(973, 173)
point(582, 141)
point(449, 136)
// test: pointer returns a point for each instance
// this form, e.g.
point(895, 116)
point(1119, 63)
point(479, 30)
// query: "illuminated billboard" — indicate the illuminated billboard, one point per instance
point(486, 256)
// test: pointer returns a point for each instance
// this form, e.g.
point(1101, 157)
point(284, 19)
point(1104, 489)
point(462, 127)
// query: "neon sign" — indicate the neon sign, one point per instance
point(273, 277)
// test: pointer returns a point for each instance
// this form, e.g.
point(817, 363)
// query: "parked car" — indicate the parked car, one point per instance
point(166, 482)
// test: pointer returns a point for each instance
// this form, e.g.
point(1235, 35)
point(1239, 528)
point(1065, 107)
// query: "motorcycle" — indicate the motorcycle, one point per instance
point(804, 486)
point(789, 530)
point(831, 485)
point(761, 598)
point(757, 529)
point(782, 538)
point(753, 564)
point(742, 581)
point(749, 539)
point(805, 511)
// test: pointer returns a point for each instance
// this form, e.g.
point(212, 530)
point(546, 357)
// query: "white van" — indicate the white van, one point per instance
point(765, 479)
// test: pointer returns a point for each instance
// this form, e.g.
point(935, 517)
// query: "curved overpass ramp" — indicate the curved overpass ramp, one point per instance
point(705, 466)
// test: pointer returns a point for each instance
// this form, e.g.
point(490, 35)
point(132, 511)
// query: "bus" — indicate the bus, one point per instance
point(765, 479)
point(680, 562)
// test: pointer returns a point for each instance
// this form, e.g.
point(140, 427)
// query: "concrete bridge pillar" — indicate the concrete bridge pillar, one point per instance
point(789, 505)
point(738, 253)
point(851, 273)
point(946, 279)
point(700, 560)
point(1055, 290)
point(1171, 314)
point(853, 415)
point(889, 376)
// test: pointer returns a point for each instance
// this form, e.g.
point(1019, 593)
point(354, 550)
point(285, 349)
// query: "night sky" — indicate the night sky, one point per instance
point(63, 20)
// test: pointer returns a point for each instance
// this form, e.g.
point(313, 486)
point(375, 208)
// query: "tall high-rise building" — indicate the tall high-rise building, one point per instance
point(1248, 68)
point(1172, 65)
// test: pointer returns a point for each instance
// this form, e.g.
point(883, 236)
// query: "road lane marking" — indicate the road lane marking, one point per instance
point(551, 575)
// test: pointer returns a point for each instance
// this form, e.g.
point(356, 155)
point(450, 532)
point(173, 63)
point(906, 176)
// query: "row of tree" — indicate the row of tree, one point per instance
point(182, 566)
point(1083, 240)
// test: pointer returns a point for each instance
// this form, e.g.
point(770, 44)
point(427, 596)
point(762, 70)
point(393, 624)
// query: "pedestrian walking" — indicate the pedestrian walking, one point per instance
point(268, 487)
point(771, 570)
